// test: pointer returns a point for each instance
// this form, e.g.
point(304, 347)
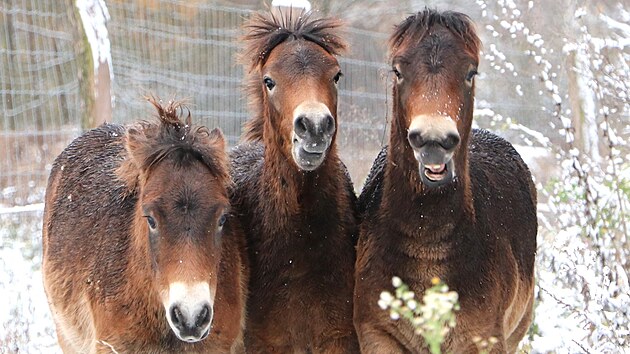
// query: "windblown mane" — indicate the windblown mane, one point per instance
point(415, 27)
point(150, 142)
point(265, 31)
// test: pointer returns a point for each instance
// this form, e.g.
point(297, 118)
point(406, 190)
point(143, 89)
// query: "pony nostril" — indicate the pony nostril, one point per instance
point(329, 125)
point(189, 323)
point(450, 142)
point(415, 139)
point(204, 316)
point(300, 126)
point(177, 317)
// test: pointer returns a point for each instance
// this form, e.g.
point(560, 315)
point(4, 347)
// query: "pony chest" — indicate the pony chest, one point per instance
point(303, 227)
point(298, 245)
point(302, 256)
point(415, 251)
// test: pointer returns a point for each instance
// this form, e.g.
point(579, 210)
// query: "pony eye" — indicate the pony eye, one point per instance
point(151, 222)
point(397, 73)
point(471, 74)
point(222, 220)
point(269, 83)
point(337, 77)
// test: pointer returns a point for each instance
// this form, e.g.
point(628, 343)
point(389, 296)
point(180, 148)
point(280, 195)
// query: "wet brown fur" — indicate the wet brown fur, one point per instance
point(102, 273)
point(477, 234)
point(301, 226)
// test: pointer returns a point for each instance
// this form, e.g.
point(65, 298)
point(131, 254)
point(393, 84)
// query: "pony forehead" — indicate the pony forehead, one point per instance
point(183, 149)
point(300, 56)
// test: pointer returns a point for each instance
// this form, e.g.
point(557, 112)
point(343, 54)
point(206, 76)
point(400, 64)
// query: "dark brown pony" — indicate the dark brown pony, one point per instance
point(292, 193)
point(141, 254)
point(443, 201)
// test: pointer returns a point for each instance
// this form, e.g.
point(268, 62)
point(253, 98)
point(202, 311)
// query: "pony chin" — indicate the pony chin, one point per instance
point(305, 160)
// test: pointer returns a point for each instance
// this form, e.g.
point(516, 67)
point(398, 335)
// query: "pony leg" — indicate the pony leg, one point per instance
point(515, 337)
point(374, 341)
point(341, 345)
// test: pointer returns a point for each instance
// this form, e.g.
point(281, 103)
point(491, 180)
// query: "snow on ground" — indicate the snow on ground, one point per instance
point(27, 326)
point(26, 323)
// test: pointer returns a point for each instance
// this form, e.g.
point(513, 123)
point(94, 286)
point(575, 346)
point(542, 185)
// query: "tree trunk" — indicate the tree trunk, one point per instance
point(94, 81)
point(10, 66)
point(582, 100)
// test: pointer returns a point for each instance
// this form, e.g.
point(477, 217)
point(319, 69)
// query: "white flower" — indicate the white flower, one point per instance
point(412, 304)
point(385, 300)
point(408, 295)
point(396, 282)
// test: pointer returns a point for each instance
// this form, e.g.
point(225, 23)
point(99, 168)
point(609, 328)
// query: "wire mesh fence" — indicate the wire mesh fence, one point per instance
point(169, 48)
point(178, 49)
point(173, 49)
point(39, 97)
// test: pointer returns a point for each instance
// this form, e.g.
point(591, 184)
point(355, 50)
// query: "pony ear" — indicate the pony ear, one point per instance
point(217, 138)
point(130, 170)
point(214, 156)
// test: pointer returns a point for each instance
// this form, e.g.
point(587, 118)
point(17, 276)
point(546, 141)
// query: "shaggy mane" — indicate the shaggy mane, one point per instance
point(150, 142)
point(265, 31)
point(415, 27)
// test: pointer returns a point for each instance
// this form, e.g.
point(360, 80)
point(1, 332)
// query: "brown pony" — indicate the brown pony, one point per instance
point(141, 254)
point(443, 201)
point(292, 193)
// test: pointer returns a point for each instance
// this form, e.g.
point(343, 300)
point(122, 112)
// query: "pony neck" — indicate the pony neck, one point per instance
point(288, 186)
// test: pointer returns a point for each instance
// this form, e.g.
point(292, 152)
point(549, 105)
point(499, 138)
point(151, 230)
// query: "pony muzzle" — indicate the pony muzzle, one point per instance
point(189, 310)
point(434, 140)
point(313, 130)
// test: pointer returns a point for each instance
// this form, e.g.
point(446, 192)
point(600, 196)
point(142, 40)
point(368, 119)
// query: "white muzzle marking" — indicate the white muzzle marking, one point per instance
point(190, 300)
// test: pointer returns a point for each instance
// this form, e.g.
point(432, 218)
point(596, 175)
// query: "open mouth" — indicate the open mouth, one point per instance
point(435, 173)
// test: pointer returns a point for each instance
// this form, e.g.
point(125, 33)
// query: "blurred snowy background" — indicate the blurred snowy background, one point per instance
point(554, 81)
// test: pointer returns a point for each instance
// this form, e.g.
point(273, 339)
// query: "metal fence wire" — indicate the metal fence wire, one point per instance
point(188, 50)
point(173, 49)
point(170, 48)
point(39, 94)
